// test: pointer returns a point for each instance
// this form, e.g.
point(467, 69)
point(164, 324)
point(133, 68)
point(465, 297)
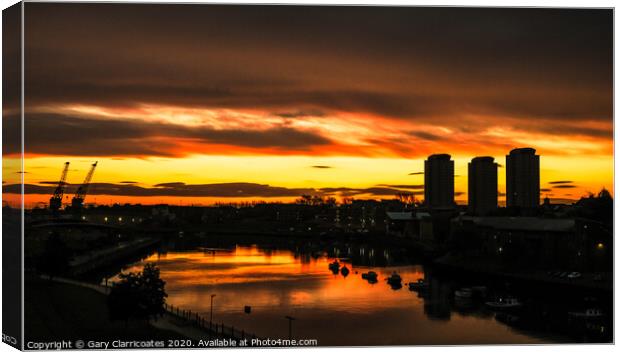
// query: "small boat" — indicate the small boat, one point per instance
point(479, 291)
point(507, 318)
point(504, 303)
point(574, 275)
point(420, 285)
point(463, 293)
point(395, 285)
point(394, 279)
point(371, 275)
point(344, 271)
point(591, 313)
point(334, 265)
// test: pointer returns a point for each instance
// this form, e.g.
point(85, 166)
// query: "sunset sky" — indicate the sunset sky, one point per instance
point(193, 104)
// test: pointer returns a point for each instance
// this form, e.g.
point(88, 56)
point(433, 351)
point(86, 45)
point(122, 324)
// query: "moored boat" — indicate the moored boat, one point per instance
point(463, 293)
point(504, 303)
point(419, 285)
point(335, 265)
point(394, 279)
point(591, 313)
point(371, 275)
point(479, 291)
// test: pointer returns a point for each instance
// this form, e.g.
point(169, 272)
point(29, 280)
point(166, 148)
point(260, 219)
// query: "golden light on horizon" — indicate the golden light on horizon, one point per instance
point(594, 174)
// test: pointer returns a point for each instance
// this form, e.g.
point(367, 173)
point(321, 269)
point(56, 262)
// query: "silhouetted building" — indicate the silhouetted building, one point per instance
point(535, 243)
point(482, 185)
point(439, 181)
point(523, 178)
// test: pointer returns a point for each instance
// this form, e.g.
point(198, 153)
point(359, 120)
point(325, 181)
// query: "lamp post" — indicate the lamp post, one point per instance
point(290, 326)
point(211, 318)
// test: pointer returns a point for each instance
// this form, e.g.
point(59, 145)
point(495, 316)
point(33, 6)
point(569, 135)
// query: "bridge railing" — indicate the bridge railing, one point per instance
point(213, 329)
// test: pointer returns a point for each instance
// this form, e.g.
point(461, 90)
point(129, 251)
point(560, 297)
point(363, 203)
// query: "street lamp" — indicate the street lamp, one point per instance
point(290, 326)
point(211, 318)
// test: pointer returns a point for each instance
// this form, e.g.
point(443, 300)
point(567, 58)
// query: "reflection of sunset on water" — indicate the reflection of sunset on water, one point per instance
point(277, 282)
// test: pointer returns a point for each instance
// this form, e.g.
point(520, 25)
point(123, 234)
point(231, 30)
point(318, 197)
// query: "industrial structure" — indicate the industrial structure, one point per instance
point(80, 194)
point(56, 200)
point(78, 199)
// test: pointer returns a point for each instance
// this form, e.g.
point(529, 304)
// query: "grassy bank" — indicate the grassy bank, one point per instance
point(55, 311)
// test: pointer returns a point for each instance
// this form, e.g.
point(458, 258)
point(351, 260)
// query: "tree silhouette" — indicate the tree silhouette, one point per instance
point(599, 207)
point(331, 201)
point(138, 295)
point(153, 289)
point(124, 298)
point(406, 198)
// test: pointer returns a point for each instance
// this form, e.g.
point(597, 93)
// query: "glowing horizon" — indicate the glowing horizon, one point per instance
point(296, 174)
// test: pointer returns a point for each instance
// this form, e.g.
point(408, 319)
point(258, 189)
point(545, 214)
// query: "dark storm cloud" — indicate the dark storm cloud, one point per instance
point(545, 189)
point(404, 186)
point(562, 200)
point(301, 113)
point(564, 186)
point(171, 185)
point(321, 167)
point(69, 135)
point(180, 189)
point(410, 62)
point(416, 173)
point(560, 129)
point(425, 135)
point(351, 192)
point(559, 182)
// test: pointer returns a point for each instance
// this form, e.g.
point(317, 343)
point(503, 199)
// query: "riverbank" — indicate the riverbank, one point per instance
point(586, 281)
point(97, 259)
point(425, 251)
point(90, 314)
point(57, 310)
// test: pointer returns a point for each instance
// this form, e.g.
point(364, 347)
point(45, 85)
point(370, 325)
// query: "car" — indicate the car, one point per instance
point(574, 275)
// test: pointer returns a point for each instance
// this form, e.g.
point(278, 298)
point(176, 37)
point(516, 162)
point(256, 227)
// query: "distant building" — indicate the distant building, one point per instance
point(482, 185)
point(439, 182)
point(399, 223)
point(532, 243)
point(523, 178)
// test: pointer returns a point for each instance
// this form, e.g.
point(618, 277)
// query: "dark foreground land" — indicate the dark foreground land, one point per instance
point(55, 311)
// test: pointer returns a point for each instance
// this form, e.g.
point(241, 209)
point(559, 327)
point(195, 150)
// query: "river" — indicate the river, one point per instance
point(338, 310)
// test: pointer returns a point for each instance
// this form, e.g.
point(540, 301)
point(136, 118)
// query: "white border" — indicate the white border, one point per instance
point(473, 3)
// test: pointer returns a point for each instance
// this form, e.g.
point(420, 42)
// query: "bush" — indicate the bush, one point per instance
point(138, 295)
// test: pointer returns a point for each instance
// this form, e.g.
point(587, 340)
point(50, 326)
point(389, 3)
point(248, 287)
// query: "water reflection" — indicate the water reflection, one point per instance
point(336, 308)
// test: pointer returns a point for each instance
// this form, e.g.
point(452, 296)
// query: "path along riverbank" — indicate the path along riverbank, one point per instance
point(176, 323)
